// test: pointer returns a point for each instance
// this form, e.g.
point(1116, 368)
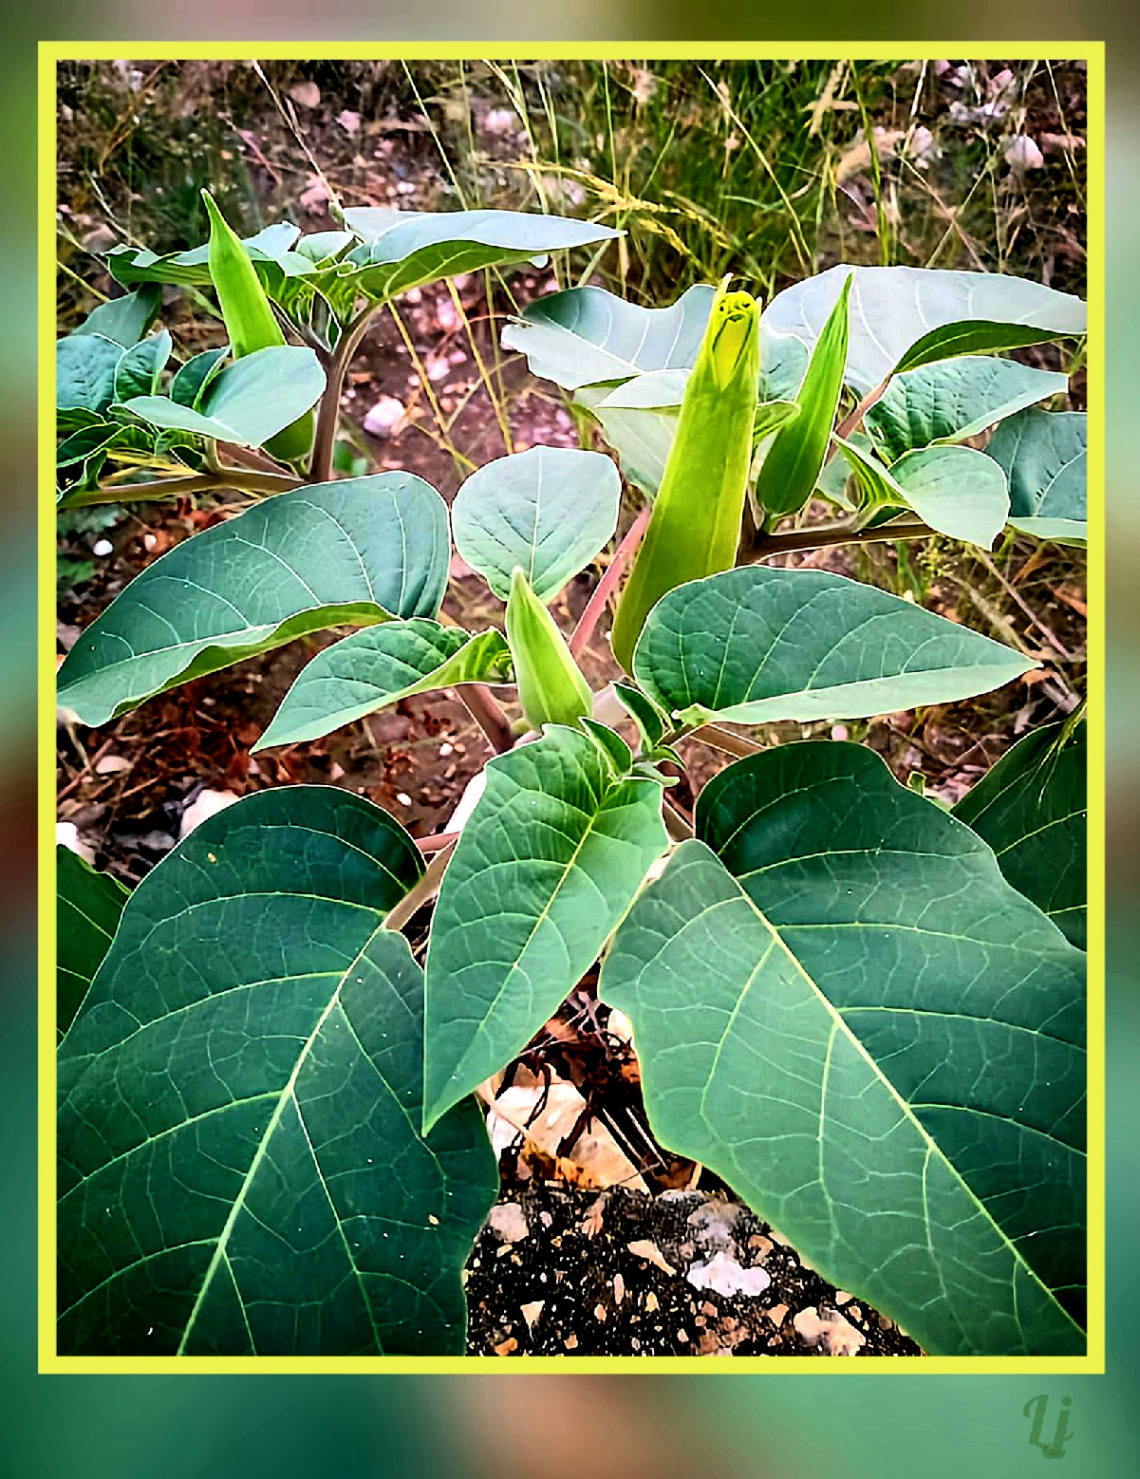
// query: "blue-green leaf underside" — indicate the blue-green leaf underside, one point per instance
point(586, 336)
point(1032, 809)
point(843, 1009)
point(553, 853)
point(754, 645)
point(247, 402)
point(956, 490)
point(549, 510)
point(379, 666)
point(352, 552)
point(1044, 455)
point(905, 316)
point(85, 366)
point(407, 249)
point(125, 319)
point(955, 399)
point(241, 1169)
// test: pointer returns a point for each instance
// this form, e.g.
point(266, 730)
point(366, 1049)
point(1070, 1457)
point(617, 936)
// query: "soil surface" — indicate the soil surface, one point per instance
point(561, 1270)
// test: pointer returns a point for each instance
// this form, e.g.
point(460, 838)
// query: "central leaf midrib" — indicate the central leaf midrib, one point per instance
point(544, 913)
point(287, 1092)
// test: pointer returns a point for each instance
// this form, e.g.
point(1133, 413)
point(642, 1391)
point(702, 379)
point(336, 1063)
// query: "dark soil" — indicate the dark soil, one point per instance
point(553, 1273)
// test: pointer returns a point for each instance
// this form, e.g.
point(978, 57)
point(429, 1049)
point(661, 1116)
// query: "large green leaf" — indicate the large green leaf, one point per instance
point(379, 666)
point(85, 367)
point(408, 249)
point(241, 1169)
point(87, 909)
point(549, 509)
point(842, 1008)
point(755, 645)
point(1032, 809)
point(125, 319)
point(248, 401)
point(1045, 458)
point(354, 553)
point(545, 867)
point(902, 317)
point(586, 336)
point(956, 490)
point(956, 399)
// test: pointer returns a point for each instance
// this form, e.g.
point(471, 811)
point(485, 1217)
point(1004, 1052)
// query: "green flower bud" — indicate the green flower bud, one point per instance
point(551, 686)
point(694, 529)
point(249, 319)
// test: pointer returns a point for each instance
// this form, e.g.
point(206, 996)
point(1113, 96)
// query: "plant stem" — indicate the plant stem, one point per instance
point(439, 840)
point(603, 590)
point(851, 422)
point(421, 893)
point(675, 824)
point(249, 482)
point(484, 708)
point(724, 739)
point(320, 468)
point(822, 535)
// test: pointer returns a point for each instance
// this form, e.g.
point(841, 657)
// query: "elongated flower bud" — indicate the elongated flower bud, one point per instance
point(694, 528)
point(249, 320)
point(789, 472)
point(552, 689)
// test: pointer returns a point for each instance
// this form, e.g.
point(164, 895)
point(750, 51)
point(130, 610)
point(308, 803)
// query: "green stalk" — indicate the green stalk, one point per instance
point(694, 528)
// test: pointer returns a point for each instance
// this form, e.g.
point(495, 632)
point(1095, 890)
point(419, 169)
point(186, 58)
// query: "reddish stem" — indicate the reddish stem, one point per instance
point(434, 843)
point(605, 587)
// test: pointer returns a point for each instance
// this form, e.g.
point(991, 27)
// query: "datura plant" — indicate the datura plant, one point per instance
point(864, 1012)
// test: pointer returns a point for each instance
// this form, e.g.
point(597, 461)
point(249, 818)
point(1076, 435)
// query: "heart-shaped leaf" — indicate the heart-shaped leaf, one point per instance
point(549, 509)
point(241, 1169)
point(379, 666)
point(354, 552)
point(902, 317)
point(85, 367)
point(843, 1009)
point(753, 645)
point(125, 319)
point(87, 909)
point(586, 336)
point(248, 401)
point(409, 249)
point(546, 866)
point(956, 399)
point(1031, 808)
point(1044, 455)
point(953, 489)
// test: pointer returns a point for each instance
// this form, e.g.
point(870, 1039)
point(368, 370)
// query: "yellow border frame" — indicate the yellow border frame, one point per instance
point(1093, 53)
